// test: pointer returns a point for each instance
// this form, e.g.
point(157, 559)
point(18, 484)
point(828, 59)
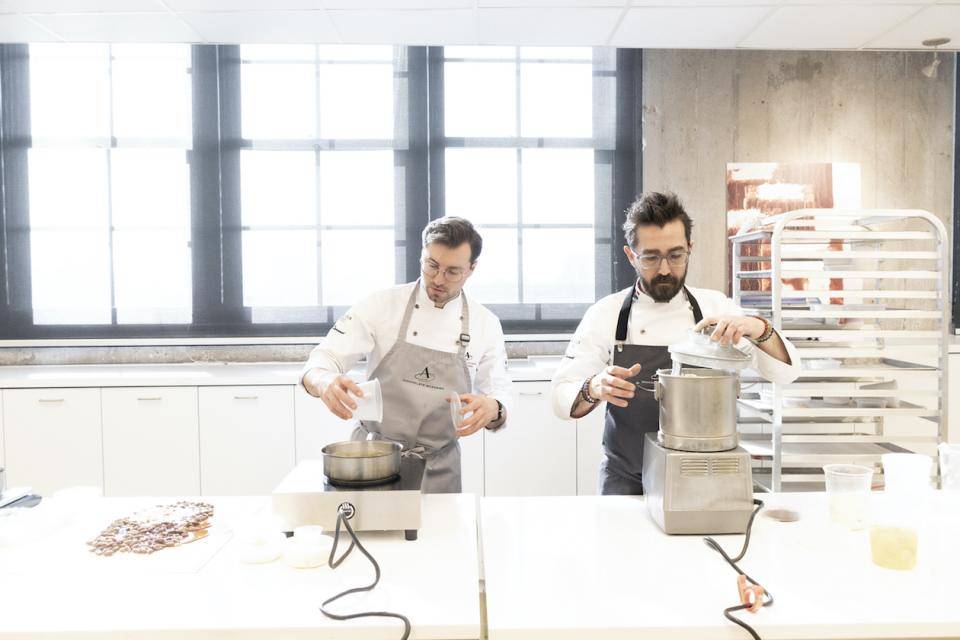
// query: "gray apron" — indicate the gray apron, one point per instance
point(415, 382)
point(624, 427)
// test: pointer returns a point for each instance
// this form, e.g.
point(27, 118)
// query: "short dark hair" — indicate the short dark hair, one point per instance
point(654, 208)
point(452, 231)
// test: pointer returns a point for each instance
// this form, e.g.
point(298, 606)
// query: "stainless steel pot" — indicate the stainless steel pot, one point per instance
point(698, 409)
point(361, 461)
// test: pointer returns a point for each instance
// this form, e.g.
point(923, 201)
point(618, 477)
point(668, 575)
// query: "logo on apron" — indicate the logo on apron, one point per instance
point(426, 377)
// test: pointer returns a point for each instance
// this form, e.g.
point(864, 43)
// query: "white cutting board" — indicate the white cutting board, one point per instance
point(65, 548)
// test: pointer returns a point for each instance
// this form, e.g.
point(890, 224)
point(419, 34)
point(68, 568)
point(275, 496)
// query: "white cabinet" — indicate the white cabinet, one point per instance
point(2, 446)
point(52, 438)
point(589, 450)
point(953, 397)
point(316, 427)
point(471, 461)
point(150, 441)
point(246, 439)
point(536, 454)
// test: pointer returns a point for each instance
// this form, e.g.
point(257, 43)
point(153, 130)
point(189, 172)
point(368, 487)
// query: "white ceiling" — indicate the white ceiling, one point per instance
point(705, 24)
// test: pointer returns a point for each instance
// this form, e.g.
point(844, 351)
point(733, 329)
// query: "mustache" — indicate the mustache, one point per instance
point(668, 279)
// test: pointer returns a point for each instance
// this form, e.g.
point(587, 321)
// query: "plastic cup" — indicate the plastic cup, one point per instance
point(848, 490)
point(894, 537)
point(370, 404)
point(906, 472)
point(949, 466)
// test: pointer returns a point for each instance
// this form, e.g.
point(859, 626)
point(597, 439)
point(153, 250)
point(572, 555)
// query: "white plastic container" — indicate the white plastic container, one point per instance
point(895, 533)
point(848, 491)
point(308, 548)
point(370, 404)
point(949, 466)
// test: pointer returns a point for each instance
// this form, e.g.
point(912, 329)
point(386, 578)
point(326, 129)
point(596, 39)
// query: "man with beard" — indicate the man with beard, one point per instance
point(623, 339)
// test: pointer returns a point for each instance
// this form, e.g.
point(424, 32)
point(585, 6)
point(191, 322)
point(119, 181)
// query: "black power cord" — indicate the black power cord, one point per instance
point(768, 597)
point(334, 563)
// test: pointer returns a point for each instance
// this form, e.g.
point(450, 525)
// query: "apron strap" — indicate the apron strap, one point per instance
point(694, 305)
point(624, 316)
point(463, 340)
point(408, 313)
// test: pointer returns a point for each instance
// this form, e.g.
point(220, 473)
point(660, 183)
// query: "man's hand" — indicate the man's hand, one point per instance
point(730, 329)
point(484, 410)
point(612, 384)
point(337, 397)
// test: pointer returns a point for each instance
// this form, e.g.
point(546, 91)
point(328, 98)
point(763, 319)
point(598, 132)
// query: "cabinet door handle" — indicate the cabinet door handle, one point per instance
point(245, 397)
point(531, 393)
point(49, 400)
point(150, 398)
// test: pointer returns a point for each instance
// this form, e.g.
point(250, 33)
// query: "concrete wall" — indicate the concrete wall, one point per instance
point(703, 109)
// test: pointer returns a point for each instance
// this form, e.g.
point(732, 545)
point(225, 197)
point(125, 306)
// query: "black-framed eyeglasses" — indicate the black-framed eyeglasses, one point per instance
point(649, 261)
point(450, 274)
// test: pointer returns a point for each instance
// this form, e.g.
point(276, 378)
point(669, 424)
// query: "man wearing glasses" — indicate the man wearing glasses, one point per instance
point(422, 341)
point(623, 339)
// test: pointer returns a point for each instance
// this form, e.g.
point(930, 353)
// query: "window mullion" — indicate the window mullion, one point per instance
point(416, 89)
point(628, 160)
point(15, 285)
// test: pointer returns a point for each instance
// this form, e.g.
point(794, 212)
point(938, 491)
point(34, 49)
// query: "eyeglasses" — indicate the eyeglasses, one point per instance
point(450, 274)
point(650, 261)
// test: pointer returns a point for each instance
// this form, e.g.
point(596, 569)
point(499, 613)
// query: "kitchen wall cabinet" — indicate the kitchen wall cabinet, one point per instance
point(150, 441)
point(52, 438)
point(536, 454)
point(247, 441)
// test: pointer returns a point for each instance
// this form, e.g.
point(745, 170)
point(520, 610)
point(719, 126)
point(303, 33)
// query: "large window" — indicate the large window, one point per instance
point(263, 189)
point(519, 162)
point(109, 199)
point(316, 176)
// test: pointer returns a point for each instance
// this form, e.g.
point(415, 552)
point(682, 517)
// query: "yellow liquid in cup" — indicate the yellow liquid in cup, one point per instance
point(894, 547)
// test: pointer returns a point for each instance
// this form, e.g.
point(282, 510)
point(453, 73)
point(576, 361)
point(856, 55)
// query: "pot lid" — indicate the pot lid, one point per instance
point(698, 350)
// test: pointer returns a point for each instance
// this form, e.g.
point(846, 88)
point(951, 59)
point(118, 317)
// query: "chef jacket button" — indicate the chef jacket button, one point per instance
point(414, 333)
point(642, 331)
point(416, 306)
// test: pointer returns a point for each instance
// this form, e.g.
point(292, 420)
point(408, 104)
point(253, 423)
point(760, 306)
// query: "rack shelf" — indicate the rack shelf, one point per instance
point(882, 365)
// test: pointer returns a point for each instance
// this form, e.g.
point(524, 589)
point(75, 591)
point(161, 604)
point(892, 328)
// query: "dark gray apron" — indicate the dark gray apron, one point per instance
point(415, 382)
point(625, 427)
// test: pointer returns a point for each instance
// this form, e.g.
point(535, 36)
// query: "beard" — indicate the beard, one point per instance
point(662, 288)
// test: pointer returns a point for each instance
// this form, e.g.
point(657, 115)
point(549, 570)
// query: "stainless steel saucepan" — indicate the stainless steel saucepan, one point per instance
point(361, 460)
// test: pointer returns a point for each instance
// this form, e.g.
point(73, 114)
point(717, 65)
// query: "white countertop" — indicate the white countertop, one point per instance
point(203, 374)
point(597, 567)
point(200, 590)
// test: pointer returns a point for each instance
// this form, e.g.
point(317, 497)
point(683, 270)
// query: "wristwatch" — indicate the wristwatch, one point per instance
point(496, 421)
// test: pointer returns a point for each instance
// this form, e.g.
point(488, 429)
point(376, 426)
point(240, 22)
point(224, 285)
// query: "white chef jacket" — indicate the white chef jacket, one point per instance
point(370, 328)
point(651, 323)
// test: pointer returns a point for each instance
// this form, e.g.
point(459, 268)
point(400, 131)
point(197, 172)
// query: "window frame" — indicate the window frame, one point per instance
point(215, 231)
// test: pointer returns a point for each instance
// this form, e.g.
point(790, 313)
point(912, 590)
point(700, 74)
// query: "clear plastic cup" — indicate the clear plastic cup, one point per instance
point(370, 404)
point(949, 466)
point(848, 490)
point(894, 536)
point(906, 472)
